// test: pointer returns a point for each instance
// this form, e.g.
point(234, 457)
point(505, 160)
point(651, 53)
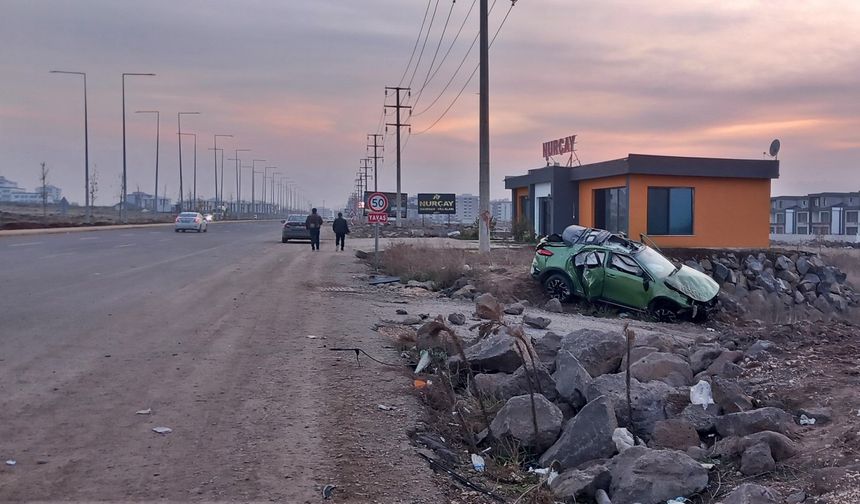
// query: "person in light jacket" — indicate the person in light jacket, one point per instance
point(341, 229)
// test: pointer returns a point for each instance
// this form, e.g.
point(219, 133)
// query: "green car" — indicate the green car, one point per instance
point(599, 266)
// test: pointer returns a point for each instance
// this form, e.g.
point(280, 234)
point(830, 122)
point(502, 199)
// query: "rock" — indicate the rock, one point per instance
point(554, 306)
point(601, 497)
point(693, 264)
point(495, 353)
point(571, 379)
point(515, 421)
point(623, 439)
point(675, 434)
point(788, 276)
point(661, 366)
point(546, 347)
point(750, 493)
point(796, 498)
point(704, 357)
point(707, 265)
point(599, 352)
point(429, 285)
point(757, 460)
point(724, 365)
point(648, 400)
point(753, 265)
point(411, 320)
point(802, 265)
point(654, 476)
point(702, 419)
point(798, 297)
point(577, 485)
point(504, 386)
point(826, 479)
point(698, 453)
point(536, 322)
point(587, 436)
point(486, 307)
point(766, 281)
point(750, 422)
point(781, 447)
point(401, 311)
point(783, 263)
point(637, 353)
point(515, 309)
point(729, 396)
point(823, 305)
point(722, 274)
point(457, 318)
point(761, 348)
point(465, 292)
point(811, 278)
point(361, 254)
point(821, 415)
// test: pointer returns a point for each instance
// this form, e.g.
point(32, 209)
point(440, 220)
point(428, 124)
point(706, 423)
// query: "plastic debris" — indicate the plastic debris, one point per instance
point(677, 500)
point(623, 439)
point(601, 497)
point(550, 472)
point(162, 430)
point(805, 420)
point(423, 362)
point(311, 336)
point(384, 407)
point(707, 466)
point(420, 384)
point(710, 329)
point(147, 411)
point(328, 490)
point(478, 462)
point(700, 393)
point(11, 462)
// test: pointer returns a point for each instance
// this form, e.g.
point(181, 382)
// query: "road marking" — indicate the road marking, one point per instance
point(56, 255)
point(125, 245)
point(88, 238)
point(25, 244)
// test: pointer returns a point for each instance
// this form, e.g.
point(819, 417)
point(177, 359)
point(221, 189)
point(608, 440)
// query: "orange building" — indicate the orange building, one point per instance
point(675, 201)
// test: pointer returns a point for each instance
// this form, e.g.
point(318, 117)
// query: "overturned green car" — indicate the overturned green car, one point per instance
point(600, 266)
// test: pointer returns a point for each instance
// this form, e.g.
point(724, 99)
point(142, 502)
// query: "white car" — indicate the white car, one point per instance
point(190, 221)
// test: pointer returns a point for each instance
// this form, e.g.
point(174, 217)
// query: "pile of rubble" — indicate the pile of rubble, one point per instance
point(662, 432)
point(773, 284)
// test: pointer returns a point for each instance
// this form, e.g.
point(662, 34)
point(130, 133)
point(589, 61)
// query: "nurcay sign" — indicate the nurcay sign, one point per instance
point(437, 203)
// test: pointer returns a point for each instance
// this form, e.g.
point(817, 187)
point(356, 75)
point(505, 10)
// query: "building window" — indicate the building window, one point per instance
point(851, 217)
point(610, 209)
point(802, 217)
point(824, 217)
point(670, 210)
point(802, 230)
point(851, 230)
point(780, 218)
point(803, 203)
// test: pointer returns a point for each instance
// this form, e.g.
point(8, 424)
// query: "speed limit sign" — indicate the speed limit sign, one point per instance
point(377, 202)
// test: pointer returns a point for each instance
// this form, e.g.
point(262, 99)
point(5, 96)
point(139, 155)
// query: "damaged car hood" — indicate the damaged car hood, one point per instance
point(694, 284)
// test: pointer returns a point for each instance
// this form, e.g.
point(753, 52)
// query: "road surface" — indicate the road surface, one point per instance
point(209, 331)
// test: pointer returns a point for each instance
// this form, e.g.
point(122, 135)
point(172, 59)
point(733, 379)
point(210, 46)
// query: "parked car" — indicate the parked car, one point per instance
point(190, 221)
point(600, 266)
point(294, 229)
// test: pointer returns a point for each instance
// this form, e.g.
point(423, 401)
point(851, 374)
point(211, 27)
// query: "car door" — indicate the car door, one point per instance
point(590, 272)
point(625, 282)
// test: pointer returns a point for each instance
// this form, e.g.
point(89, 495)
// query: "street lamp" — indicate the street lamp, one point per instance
point(253, 172)
point(88, 209)
point(194, 194)
point(216, 165)
point(179, 125)
point(157, 134)
point(266, 207)
point(123, 209)
point(274, 206)
point(238, 178)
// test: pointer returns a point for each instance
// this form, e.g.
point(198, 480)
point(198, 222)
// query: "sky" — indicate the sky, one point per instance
point(301, 83)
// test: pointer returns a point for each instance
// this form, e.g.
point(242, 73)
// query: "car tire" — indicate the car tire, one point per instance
point(664, 310)
point(176, 230)
point(558, 286)
point(284, 240)
point(206, 229)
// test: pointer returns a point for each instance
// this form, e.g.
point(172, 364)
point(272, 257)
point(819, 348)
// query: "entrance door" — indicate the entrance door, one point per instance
point(544, 219)
point(589, 267)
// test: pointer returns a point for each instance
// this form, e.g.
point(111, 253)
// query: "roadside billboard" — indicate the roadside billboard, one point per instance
point(437, 203)
point(392, 206)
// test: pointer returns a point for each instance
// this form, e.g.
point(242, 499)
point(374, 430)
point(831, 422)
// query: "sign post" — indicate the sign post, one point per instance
point(377, 203)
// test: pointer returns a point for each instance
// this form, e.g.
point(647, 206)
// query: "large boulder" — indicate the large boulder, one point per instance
point(704, 357)
point(587, 436)
point(750, 493)
point(495, 353)
point(665, 367)
point(757, 459)
point(546, 347)
point(674, 434)
point(505, 386)
point(750, 422)
point(575, 485)
point(515, 421)
point(648, 400)
point(486, 307)
point(599, 352)
point(651, 476)
point(536, 321)
point(515, 309)
point(722, 274)
point(781, 447)
point(783, 263)
point(702, 419)
point(729, 396)
point(553, 306)
point(571, 379)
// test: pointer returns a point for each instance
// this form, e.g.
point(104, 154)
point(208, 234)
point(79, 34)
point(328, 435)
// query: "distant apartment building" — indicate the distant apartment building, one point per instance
point(468, 208)
point(826, 213)
point(142, 200)
point(501, 210)
point(10, 192)
point(7, 188)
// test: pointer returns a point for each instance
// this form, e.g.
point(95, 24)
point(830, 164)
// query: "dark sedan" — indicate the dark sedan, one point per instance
point(294, 229)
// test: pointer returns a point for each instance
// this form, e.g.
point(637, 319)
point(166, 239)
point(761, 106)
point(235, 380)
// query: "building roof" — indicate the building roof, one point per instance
point(647, 164)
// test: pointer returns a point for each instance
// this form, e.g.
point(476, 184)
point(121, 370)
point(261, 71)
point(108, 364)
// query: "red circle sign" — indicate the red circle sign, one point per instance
point(377, 202)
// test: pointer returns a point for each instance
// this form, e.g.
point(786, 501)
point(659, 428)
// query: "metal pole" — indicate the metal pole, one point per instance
point(179, 127)
point(88, 211)
point(122, 208)
point(217, 197)
point(484, 136)
point(253, 177)
point(397, 197)
point(195, 171)
point(157, 133)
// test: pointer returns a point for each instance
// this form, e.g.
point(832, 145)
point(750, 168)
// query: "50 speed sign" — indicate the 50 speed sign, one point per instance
point(377, 202)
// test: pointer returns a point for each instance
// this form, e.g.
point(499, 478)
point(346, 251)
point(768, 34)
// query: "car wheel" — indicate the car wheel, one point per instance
point(558, 286)
point(284, 240)
point(663, 310)
point(176, 230)
point(206, 229)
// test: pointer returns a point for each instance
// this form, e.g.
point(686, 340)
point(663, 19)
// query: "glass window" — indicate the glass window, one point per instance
point(803, 217)
point(850, 216)
point(780, 218)
point(610, 209)
point(655, 262)
point(802, 230)
point(824, 216)
point(625, 264)
point(670, 210)
point(851, 230)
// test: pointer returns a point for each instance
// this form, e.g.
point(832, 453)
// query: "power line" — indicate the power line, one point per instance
point(415, 48)
point(472, 76)
point(454, 41)
point(424, 45)
point(435, 54)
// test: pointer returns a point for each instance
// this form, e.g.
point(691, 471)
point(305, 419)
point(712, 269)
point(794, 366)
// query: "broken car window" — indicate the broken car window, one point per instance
point(625, 264)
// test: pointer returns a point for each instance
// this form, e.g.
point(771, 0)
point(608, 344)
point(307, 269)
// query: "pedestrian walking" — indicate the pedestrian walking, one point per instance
point(313, 223)
point(341, 229)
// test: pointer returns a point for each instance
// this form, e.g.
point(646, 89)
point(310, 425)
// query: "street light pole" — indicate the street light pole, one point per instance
point(194, 185)
point(267, 205)
point(216, 165)
point(179, 125)
point(239, 179)
point(274, 205)
point(253, 178)
point(88, 208)
point(157, 134)
point(122, 208)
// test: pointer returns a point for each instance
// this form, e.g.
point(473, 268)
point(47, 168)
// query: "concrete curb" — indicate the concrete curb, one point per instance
point(83, 229)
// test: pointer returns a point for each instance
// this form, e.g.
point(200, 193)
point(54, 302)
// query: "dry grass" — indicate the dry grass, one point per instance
point(410, 262)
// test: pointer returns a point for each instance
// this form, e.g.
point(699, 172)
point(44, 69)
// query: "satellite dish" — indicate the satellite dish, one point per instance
point(774, 147)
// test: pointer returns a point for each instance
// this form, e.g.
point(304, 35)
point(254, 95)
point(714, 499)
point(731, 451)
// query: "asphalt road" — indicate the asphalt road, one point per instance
point(209, 331)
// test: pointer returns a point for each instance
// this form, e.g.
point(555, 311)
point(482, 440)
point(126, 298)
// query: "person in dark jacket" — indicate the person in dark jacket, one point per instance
point(314, 222)
point(341, 229)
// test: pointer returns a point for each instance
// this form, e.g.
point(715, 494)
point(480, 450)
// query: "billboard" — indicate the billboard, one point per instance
point(437, 203)
point(558, 147)
point(392, 205)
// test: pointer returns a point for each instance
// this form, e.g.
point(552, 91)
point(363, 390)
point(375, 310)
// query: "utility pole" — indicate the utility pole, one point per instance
point(253, 177)
point(484, 136)
point(375, 157)
point(179, 128)
point(157, 134)
point(215, 142)
point(397, 90)
point(194, 193)
point(239, 180)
